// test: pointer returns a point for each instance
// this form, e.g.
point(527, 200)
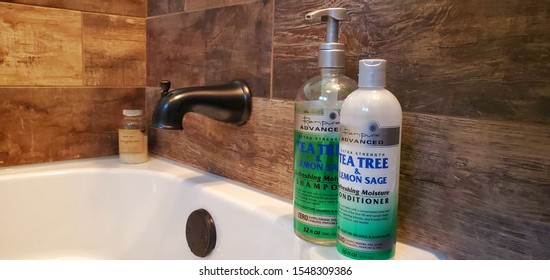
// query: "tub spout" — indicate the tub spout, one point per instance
point(229, 103)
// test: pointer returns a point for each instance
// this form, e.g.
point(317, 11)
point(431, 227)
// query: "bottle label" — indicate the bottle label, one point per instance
point(368, 186)
point(373, 135)
point(316, 174)
point(131, 141)
point(325, 122)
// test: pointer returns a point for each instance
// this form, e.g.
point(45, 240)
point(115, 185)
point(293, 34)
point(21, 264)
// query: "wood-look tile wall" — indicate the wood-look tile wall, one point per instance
point(472, 78)
point(136, 8)
point(67, 69)
point(212, 46)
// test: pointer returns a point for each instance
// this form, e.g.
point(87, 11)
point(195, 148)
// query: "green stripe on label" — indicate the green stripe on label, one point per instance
point(361, 255)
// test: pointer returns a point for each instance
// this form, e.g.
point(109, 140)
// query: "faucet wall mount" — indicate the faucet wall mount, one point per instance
point(229, 103)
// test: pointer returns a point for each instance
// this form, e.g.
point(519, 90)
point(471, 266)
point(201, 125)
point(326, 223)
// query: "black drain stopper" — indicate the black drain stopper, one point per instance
point(200, 232)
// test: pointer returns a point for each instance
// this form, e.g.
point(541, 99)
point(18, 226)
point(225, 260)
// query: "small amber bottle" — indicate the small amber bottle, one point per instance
point(132, 137)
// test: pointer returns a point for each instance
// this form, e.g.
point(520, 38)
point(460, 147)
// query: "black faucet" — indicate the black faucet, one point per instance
point(229, 103)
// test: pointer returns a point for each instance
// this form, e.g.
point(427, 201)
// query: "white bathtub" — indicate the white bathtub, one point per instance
point(101, 209)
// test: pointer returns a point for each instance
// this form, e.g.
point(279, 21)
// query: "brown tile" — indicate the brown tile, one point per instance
point(475, 60)
point(36, 49)
point(175, 50)
point(258, 153)
point(50, 124)
point(161, 7)
point(117, 7)
point(468, 190)
point(194, 5)
point(114, 50)
point(213, 46)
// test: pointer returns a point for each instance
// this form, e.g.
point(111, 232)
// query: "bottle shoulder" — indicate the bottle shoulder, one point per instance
point(376, 103)
point(364, 97)
point(326, 88)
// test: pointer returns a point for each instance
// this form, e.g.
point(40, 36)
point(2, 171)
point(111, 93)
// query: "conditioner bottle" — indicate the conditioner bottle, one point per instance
point(370, 144)
point(317, 122)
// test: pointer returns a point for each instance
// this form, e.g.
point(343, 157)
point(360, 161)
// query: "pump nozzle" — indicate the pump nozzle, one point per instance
point(331, 53)
point(332, 16)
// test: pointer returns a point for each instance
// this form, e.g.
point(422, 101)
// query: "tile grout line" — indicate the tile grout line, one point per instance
point(271, 67)
point(82, 48)
point(69, 9)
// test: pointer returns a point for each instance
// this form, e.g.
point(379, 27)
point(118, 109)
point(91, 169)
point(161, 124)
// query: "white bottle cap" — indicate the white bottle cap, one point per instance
point(132, 113)
point(372, 73)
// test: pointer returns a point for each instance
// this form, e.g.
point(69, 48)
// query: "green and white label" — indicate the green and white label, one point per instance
point(368, 188)
point(316, 174)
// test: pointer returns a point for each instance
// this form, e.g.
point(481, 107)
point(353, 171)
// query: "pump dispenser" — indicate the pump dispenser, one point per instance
point(331, 53)
point(316, 134)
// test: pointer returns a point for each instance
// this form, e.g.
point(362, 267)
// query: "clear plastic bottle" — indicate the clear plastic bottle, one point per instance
point(132, 137)
point(316, 133)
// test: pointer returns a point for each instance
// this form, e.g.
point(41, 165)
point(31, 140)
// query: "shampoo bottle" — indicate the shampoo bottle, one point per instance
point(317, 122)
point(370, 144)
